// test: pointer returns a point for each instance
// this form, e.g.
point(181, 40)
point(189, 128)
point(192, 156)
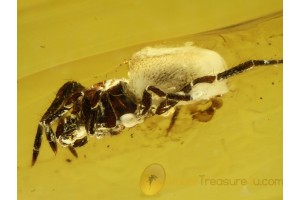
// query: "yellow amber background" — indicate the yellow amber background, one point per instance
point(87, 41)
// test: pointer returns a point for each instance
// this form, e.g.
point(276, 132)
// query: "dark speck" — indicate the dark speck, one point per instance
point(270, 43)
point(272, 83)
point(42, 46)
point(68, 160)
point(107, 146)
point(131, 135)
point(260, 98)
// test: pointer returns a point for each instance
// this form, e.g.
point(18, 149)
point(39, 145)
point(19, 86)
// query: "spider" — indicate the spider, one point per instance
point(159, 79)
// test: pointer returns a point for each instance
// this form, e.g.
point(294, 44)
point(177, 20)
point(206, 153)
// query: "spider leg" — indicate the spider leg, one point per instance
point(73, 151)
point(146, 102)
point(37, 144)
point(51, 138)
point(165, 106)
point(48, 129)
point(38, 140)
point(65, 130)
point(230, 72)
point(203, 79)
point(245, 66)
point(90, 109)
point(173, 119)
point(45, 126)
point(173, 98)
point(61, 104)
point(78, 143)
point(63, 93)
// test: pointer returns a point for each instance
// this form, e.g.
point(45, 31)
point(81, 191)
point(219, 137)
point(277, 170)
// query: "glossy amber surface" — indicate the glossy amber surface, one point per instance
point(235, 155)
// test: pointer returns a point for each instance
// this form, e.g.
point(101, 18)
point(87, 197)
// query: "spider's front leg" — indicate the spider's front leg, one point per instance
point(71, 133)
point(63, 101)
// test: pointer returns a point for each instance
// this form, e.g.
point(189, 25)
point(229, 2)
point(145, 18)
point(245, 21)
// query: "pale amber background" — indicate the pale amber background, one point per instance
point(88, 41)
point(55, 32)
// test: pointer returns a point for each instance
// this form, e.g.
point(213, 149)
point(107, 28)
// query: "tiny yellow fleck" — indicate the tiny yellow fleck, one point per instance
point(152, 179)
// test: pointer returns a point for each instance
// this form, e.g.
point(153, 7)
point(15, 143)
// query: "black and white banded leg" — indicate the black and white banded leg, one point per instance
point(171, 99)
point(58, 108)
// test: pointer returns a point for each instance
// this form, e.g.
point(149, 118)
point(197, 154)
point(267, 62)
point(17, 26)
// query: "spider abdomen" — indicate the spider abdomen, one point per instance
point(170, 69)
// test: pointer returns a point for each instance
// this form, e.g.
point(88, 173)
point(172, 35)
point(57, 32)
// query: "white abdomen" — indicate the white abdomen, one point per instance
point(172, 68)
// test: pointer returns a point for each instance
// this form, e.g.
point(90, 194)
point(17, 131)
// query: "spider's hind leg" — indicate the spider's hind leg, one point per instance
point(246, 66)
point(171, 99)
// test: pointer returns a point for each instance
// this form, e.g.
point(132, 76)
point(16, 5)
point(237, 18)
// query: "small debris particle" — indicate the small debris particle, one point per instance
point(152, 179)
point(131, 135)
point(217, 102)
point(272, 83)
point(42, 46)
point(68, 160)
point(260, 98)
point(107, 146)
